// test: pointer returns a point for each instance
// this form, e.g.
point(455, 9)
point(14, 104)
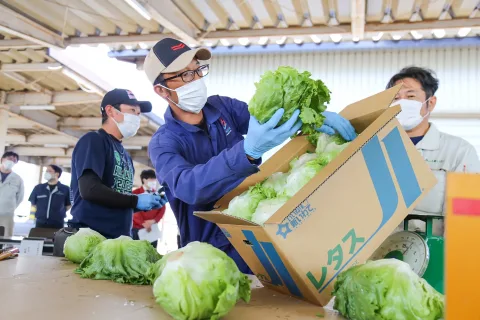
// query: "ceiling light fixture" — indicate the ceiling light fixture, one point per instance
point(463, 32)
point(396, 37)
point(37, 107)
point(243, 41)
point(416, 35)
point(439, 33)
point(262, 41)
point(336, 37)
point(377, 37)
point(315, 38)
point(281, 41)
point(225, 42)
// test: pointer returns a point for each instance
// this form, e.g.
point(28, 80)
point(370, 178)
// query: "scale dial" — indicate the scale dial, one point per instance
point(406, 246)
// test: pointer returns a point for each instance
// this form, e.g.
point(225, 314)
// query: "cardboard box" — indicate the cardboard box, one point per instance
point(342, 215)
point(462, 258)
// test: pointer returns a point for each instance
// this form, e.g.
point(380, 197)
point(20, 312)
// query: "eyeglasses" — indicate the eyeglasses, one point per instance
point(189, 76)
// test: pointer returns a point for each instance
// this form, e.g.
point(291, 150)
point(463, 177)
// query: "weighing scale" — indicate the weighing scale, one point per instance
point(423, 251)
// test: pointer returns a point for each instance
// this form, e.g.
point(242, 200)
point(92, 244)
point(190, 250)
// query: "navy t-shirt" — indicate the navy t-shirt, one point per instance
point(103, 154)
point(416, 140)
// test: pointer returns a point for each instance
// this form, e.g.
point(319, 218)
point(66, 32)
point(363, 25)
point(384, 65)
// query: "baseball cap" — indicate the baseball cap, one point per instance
point(171, 55)
point(123, 96)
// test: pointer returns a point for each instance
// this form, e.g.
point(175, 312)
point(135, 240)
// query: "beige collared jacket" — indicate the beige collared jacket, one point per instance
point(443, 153)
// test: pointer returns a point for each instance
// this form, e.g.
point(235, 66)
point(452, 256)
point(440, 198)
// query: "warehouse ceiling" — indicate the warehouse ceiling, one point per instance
point(50, 106)
point(131, 24)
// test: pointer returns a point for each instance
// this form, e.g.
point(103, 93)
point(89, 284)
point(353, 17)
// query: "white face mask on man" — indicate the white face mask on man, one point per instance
point(410, 116)
point(8, 164)
point(191, 97)
point(130, 125)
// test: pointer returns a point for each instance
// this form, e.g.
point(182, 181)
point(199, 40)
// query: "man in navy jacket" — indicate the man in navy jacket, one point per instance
point(200, 153)
point(51, 200)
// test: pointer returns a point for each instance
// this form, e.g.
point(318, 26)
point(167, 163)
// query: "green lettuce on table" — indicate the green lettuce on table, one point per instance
point(386, 289)
point(198, 281)
point(122, 260)
point(78, 246)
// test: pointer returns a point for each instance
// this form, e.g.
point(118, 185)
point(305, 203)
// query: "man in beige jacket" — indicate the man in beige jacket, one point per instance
point(443, 152)
point(11, 192)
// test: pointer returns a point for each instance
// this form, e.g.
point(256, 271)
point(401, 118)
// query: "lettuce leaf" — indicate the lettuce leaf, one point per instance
point(289, 89)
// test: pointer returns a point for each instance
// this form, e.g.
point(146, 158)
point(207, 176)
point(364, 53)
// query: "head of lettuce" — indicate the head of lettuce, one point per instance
point(290, 89)
point(198, 281)
point(386, 289)
point(78, 246)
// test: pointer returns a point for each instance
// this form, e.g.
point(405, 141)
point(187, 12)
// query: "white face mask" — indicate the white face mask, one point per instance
point(48, 176)
point(410, 116)
point(8, 164)
point(192, 96)
point(129, 127)
point(152, 185)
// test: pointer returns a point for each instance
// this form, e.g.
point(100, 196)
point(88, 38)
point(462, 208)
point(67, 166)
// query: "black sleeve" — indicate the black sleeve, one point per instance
point(92, 189)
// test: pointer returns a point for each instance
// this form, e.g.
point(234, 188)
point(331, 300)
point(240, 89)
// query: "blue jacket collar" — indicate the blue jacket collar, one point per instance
point(210, 113)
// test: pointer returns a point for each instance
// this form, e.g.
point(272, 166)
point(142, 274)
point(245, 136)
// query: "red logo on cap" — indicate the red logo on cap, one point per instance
point(130, 94)
point(178, 47)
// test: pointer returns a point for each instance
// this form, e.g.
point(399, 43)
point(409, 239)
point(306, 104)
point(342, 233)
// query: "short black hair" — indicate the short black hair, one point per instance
point(10, 154)
point(148, 174)
point(159, 80)
point(57, 169)
point(427, 78)
point(105, 116)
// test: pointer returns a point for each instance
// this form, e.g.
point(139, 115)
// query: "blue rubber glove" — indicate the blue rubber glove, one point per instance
point(163, 201)
point(264, 137)
point(148, 201)
point(336, 123)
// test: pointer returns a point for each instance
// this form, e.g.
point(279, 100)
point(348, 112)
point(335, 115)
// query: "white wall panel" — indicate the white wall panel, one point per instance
point(353, 75)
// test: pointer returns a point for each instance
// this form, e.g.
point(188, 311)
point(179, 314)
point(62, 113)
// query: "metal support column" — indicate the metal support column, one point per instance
point(3, 129)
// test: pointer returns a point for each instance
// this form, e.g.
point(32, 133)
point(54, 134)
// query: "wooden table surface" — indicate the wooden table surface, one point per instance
point(46, 288)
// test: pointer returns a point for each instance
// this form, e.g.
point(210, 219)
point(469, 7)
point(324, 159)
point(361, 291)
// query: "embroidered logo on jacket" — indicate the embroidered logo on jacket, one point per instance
point(225, 127)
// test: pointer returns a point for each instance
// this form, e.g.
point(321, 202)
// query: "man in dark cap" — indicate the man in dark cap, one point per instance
point(200, 153)
point(102, 171)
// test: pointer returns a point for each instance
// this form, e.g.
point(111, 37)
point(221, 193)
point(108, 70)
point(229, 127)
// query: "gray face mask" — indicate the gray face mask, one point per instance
point(192, 96)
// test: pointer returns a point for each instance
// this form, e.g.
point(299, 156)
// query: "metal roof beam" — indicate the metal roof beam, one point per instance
point(344, 29)
point(94, 123)
point(40, 151)
point(59, 98)
point(358, 19)
point(16, 139)
point(131, 39)
point(18, 25)
point(166, 13)
point(41, 139)
point(25, 82)
point(18, 44)
point(277, 32)
point(30, 67)
point(426, 25)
